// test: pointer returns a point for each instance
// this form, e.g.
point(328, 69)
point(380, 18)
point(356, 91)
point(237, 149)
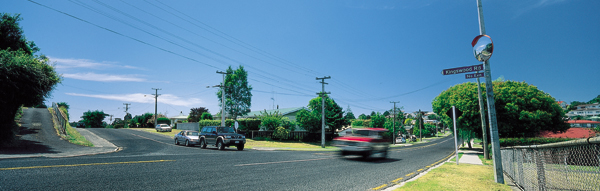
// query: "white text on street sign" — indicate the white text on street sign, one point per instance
point(463, 69)
point(475, 75)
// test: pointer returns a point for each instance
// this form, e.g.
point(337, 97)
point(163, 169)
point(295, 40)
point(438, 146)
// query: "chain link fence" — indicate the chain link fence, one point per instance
point(571, 165)
point(61, 118)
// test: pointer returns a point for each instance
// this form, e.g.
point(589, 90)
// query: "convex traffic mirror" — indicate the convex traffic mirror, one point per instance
point(482, 47)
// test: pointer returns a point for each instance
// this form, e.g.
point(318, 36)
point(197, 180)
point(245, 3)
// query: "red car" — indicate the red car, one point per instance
point(367, 142)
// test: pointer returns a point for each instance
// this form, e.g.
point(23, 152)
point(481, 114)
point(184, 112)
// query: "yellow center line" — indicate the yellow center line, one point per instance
point(89, 164)
point(380, 187)
point(277, 162)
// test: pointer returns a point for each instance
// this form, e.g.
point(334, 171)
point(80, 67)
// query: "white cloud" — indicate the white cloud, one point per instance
point(90, 76)
point(538, 4)
point(66, 63)
point(144, 98)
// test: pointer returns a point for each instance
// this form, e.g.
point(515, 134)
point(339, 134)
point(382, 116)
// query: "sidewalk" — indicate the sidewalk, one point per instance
point(470, 157)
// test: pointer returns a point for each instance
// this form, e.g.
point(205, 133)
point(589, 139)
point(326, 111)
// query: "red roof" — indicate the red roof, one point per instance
point(583, 121)
point(573, 132)
point(559, 102)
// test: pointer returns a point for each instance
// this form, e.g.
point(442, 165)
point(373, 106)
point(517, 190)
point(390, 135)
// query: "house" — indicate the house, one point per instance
point(563, 104)
point(585, 110)
point(285, 112)
point(178, 119)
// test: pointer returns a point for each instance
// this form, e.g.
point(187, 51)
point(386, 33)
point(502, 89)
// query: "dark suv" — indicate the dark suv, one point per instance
point(221, 137)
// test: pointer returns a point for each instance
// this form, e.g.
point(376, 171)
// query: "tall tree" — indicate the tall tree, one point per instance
point(93, 119)
point(196, 114)
point(349, 114)
point(311, 121)
point(362, 116)
point(595, 100)
point(26, 79)
point(521, 109)
point(377, 120)
point(238, 95)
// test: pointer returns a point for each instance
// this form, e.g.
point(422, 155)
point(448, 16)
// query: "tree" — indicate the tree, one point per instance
point(141, 121)
point(206, 116)
point(270, 120)
point(93, 119)
point(521, 109)
point(349, 114)
point(377, 120)
point(595, 100)
point(362, 116)
point(163, 120)
point(311, 121)
point(26, 79)
point(63, 104)
point(238, 95)
point(196, 114)
point(386, 113)
point(11, 35)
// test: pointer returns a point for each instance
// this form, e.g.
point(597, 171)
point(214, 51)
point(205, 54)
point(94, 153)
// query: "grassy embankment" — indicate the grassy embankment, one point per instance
point(73, 135)
point(450, 176)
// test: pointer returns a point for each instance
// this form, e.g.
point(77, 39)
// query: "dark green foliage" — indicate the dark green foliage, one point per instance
point(141, 121)
point(521, 109)
point(357, 123)
point(288, 124)
point(11, 35)
point(270, 120)
point(93, 119)
point(26, 79)
point(362, 116)
point(249, 124)
point(238, 95)
point(311, 121)
point(377, 120)
point(163, 120)
point(595, 100)
point(206, 116)
point(367, 123)
point(508, 142)
point(63, 104)
point(196, 114)
point(386, 113)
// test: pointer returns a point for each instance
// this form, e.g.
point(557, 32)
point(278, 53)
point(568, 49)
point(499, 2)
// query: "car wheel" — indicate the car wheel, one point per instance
point(220, 145)
point(240, 147)
point(187, 143)
point(176, 142)
point(366, 154)
point(203, 144)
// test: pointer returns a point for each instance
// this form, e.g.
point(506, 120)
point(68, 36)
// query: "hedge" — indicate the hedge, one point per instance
point(509, 142)
point(357, 123)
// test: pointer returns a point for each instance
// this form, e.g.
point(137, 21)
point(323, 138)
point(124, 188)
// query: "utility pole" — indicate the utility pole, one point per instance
point(322, 94)
point(155, 104)
point(126, 112)
point(420, 125)
point(499, 177)
point(222, 98)
point(394, 122)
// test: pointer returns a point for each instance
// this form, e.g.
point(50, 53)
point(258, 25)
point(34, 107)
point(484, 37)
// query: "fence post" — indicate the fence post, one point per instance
point(520, 156)
point(539, 161)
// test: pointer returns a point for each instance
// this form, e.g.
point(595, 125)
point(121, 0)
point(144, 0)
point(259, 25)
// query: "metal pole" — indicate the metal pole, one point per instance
point(420, 125)
point(322, 94)
point(455, 137)
point(482, 114)
point(499, 177)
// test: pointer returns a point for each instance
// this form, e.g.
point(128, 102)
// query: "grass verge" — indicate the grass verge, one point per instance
point(73, 135)
point(450, 176)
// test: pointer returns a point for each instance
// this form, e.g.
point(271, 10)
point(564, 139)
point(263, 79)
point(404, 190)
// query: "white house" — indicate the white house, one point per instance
point(586, 110)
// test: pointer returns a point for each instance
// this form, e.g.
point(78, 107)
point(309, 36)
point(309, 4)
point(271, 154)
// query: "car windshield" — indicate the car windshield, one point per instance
point(164, 125)
point(225, 130)
point(192, 133)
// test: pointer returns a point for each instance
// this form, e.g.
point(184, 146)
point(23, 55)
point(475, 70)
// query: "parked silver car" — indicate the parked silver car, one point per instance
point(163, 127)
point(189, 138)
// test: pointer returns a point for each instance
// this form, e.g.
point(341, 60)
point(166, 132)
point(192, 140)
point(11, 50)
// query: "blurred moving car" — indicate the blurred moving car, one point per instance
point(367, 142)
point(163, 127)
point(189, 138)
point(221, 137)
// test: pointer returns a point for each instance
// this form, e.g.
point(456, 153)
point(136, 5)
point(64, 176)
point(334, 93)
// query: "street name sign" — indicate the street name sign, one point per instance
point(475, 75)
point(464, 69)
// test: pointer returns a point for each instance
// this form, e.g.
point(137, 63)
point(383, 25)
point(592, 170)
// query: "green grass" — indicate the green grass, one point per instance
point(450, 176)
point(73, 135)
point(453, 159)
point(152, 130)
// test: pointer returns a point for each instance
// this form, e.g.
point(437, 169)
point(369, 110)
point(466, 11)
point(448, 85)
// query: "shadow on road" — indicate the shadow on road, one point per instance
point(23, 146)
point(371, 160)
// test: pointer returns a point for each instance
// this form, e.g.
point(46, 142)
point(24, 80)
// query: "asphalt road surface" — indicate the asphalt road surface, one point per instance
point(151, 161)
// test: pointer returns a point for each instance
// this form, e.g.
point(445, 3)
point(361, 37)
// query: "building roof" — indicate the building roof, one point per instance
point(583, 121)
point(573, 132)
point(180, 116)
point(283, 111)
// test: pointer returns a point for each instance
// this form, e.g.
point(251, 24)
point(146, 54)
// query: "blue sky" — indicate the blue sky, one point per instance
point(115, 52)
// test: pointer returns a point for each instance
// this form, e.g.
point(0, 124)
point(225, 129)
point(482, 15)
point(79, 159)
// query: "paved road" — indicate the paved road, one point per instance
point(152, 162)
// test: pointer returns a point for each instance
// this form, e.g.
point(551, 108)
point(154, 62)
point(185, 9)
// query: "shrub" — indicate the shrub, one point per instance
point(367, 123)
point(280, 133)
point(206, 116)
point(357, 123)
point(249, 124)
point(288, 124)
point(163, 120)
point(508, 142)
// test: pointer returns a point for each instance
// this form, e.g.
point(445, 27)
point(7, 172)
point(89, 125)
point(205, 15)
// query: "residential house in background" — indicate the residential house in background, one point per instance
point(585, 110)
point(290, 113)
point(563, 104)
